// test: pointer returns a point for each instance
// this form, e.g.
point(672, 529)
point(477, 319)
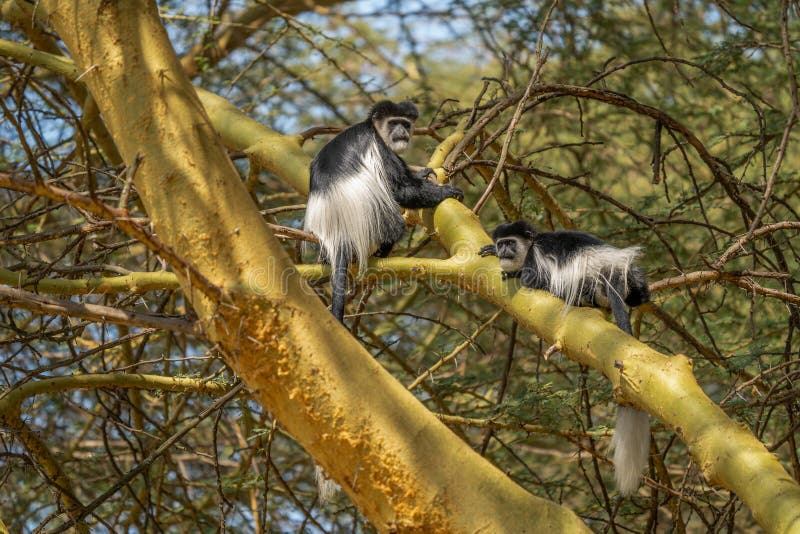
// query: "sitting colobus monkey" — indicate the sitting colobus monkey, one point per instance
point(581, 269)
point(358, 184)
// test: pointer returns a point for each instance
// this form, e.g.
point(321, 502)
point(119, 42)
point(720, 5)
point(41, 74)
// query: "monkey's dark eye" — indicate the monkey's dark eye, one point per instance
point(400, 122)
point(507, 243)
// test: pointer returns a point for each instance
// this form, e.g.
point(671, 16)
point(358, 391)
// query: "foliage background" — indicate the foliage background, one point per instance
point(720, 68)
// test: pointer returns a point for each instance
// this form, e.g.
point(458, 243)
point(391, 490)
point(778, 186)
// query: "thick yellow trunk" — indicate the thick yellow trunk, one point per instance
point(665, 387)
point(401, 467)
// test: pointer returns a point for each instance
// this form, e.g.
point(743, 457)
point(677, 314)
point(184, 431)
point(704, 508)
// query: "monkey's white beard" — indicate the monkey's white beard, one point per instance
point(512, 265)
point(351, 213)
point(398, 146)
point(592, 265)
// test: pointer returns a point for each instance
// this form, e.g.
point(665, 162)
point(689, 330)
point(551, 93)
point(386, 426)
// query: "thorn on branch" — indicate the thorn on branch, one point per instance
point(552, 349)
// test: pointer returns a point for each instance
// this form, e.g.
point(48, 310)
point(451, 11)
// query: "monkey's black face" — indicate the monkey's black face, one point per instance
point(395, 132)
point(506, 248)
point(512, 252)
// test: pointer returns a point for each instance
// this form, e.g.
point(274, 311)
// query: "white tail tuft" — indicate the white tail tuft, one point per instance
point(326, 487)
point(631, 444)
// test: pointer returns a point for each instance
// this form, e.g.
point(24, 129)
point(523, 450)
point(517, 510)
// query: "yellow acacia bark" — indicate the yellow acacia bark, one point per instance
point(371, 435)
point(139, 282)
point(665, 387)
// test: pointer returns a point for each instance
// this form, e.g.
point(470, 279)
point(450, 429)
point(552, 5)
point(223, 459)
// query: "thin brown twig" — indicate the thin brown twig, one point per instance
point(28, 239)
point(738, 245)
point(510, 134)
point(122, 219)
point(454, 353)
point(501, 393)
point(541, 56)
point(523, 427)
point(18, 298)
point(145, 464)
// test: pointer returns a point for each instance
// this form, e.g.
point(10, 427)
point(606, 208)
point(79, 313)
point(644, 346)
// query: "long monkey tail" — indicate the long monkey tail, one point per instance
point(339, 284)
point(631, 444)
point(631, 441)
point(326, 487)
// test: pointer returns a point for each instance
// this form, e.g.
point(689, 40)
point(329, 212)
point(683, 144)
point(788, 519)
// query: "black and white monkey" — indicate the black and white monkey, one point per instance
point(583, 270)
point(358, 185)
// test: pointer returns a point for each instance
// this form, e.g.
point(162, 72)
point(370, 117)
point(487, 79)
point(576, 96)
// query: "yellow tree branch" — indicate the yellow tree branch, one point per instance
point(50, 465)
point(139, 282)
point(493, 424)
point(11, 400)
point(664, 387)
point(305, 367)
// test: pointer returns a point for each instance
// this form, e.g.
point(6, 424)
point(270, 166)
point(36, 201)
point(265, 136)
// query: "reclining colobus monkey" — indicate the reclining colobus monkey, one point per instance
point(358, 184)
point(581, 269)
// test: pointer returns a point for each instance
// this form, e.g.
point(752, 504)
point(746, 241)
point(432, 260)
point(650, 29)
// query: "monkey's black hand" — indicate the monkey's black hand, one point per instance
point(424, 173)
point(452, 191)
point(488, 250)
